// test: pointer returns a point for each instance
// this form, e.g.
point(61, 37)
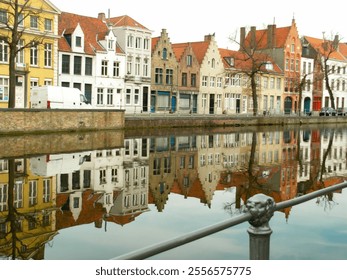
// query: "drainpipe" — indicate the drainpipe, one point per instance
point(261, 208)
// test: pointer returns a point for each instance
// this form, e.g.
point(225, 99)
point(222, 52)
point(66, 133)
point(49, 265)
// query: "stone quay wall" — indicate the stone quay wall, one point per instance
point(57, 120)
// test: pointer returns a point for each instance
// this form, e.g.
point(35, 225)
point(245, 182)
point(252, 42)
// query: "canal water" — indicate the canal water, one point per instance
point(97, 204)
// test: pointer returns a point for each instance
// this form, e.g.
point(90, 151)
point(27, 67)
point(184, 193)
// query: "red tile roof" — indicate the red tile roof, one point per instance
point(199, 49)
point(244, 62)
point(126, 20)
point(261, 37)
point(93, 29)
point(318, 45)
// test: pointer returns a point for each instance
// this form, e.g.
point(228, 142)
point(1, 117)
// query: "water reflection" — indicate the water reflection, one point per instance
point(44, 194)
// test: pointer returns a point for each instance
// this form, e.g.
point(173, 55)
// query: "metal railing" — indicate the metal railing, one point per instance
point(258, 212)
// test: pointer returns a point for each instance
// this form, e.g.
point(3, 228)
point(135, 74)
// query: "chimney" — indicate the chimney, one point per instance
point(336, 42)
point(209, 37)
point(253, 37)
point(271, 30)
point(102, 17)
point(242, 37)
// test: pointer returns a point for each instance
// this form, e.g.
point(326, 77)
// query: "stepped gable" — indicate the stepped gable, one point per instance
point(94, 29)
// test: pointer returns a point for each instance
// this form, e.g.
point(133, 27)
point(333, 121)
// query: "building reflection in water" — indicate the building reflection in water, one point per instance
point(41, 195)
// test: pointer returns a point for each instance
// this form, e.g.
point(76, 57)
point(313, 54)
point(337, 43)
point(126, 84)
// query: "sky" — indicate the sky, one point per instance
point(190, 21)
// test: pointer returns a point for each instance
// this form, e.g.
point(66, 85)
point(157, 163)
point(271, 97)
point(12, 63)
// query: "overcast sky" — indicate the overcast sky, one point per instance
point(190, 20)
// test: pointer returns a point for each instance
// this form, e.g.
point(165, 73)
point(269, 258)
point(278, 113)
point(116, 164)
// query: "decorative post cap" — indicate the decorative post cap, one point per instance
point(261, 208)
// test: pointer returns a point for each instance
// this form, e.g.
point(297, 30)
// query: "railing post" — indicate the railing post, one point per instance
point(261, 208)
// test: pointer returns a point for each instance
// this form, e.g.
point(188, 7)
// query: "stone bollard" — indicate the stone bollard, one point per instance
point(261, 208)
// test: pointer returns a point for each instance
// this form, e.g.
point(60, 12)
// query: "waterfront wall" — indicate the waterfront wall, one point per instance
point(190, 121)
point(43, 120)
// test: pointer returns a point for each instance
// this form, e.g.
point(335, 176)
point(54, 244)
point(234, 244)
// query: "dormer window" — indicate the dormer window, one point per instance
point(78, 41)
point(111, 45)
point(269, 66)
point(230, 61)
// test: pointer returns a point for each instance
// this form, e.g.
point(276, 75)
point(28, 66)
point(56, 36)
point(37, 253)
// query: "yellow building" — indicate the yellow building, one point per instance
point(36, 63)
point(27, 211)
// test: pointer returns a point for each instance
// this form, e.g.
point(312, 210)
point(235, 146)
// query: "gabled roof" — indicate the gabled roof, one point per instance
point(261, 37)
point(318, 45)
point(155, 42)
point(127, 21)
point(179, 50)
point(93, 29)
point(199, 49)
point(241, 61)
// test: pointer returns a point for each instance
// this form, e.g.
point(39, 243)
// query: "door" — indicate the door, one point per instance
point(145, 99)
point(238, 106)
point(288, 103)
point(173, 104)
point(211, 103)
point(307, 105)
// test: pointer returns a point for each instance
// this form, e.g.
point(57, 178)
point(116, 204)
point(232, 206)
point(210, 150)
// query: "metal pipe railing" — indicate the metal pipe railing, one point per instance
point(259, 210)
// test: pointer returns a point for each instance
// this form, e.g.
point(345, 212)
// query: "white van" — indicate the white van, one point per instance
point(54, 97)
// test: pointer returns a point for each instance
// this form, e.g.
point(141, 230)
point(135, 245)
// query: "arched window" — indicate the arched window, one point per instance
point(164, 53)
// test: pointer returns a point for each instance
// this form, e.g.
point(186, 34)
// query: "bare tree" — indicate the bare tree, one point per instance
point(329, 47)
point(12, 34)
point(250, 61)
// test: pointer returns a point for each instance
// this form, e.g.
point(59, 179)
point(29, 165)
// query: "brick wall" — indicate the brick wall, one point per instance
point(37, 120)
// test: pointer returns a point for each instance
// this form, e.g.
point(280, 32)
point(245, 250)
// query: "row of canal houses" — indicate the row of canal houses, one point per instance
point(118, 64)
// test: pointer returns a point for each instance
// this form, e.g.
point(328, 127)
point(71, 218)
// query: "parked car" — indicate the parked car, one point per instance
point(342, 111)
point(327, 111)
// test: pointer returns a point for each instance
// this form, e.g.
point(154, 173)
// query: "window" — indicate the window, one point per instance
point(213, 63)
point(100, 96)
point(3, 51)
point(219, 100)
point(130, 43)
point(4, 87)
point(204, 100)
point(111, 45)
point(145, 67)
point(77, 65)
point(189, 60)
point(272, 82)
point(3, 16)
point(136, 96)
point(169, 76)
point(212, 81)
point(193, 80)
point(34, 22)
point(137, 66)
point(48, 24)
point(219, 82)
point(287, 64)
point(48, 55)
point(33, 55)
point(129, 65)
point(304, 67)
point(146, 44)
point(20, 54)
point(138, 43)
point(65, 64)
point(204, 81)
point(20, 20)
point(104, 65)
point(128, 96)
point(46, 190)
point(184, 79)
point(78, 41)
point(32, 193)
point(164, 53)
point(278, 83)
point(109, 96)
point(158, 76)
point(167, 165)
point(116, 69)
point(88, 66)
